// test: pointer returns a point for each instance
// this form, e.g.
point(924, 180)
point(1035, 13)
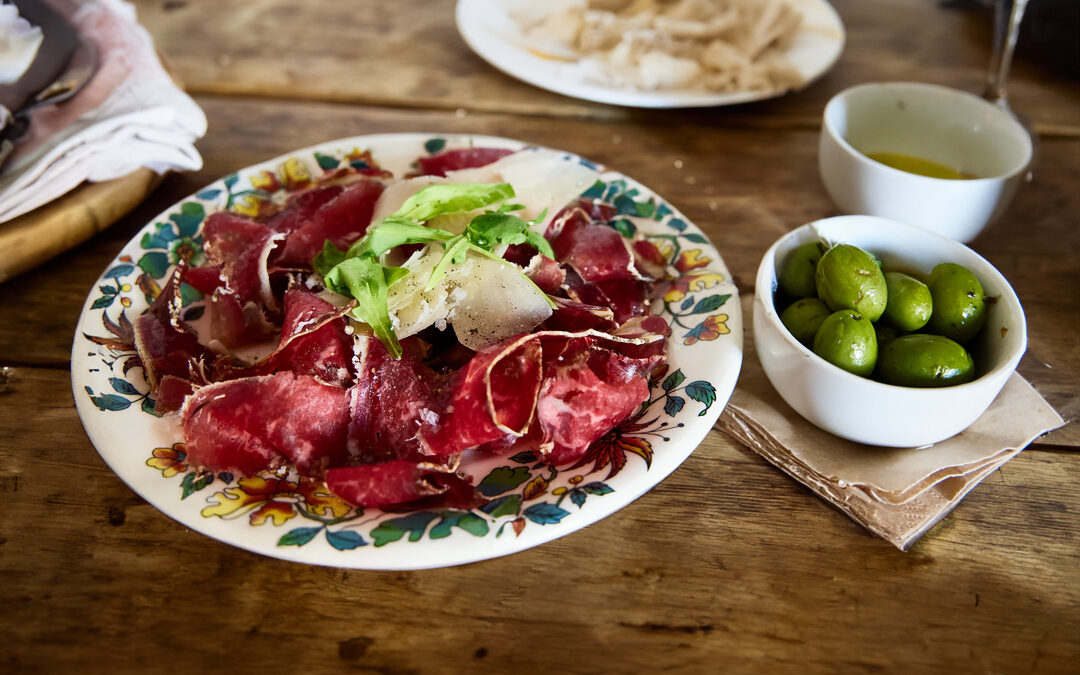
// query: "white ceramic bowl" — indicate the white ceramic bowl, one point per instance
point(947, 126)
point(861, 409)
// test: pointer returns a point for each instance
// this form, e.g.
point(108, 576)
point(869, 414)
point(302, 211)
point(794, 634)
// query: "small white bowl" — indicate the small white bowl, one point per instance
point(864, 410)
point(947, 126)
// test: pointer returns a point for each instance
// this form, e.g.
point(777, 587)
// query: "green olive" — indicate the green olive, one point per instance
point(909, 303)
point(923, 360)
point(847, 277)
point(803, 318)
point(959, 306)
point(797, 274)
point(846, 340)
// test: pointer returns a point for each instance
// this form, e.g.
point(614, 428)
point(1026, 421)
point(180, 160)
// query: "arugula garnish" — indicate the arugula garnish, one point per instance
point(357, 272)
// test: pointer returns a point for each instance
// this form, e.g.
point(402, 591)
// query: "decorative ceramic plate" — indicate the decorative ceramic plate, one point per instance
point(297, 518)
point(495, 37)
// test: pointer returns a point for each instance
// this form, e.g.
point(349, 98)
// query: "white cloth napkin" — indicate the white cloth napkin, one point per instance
point(130, 115)
point(896, 493)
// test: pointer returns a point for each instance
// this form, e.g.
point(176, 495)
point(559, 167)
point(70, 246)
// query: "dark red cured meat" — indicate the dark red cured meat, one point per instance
point(572, 316)
point(464, 158)
point(597, 252)
point(301, 208)
point(165, 349)
point(313, 340)
point(170, 394)
point(492, 398)
point(547, 274)
point(342, 220)
point(457, 492)
point(395, 482)
point(598, 211)
point(389, 401)
point(204, 279)
point(626, 298)
point(585, 396)
point(234, 323)
point(238, 245)
point(256, 423)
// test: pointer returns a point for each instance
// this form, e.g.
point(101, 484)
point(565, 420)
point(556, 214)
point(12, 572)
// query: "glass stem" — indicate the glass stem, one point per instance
point(1007, 17)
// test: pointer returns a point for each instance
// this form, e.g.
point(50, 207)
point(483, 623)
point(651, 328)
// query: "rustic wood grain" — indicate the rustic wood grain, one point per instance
point(743, 187)
point(408, 53)
point(726, 562)
point(727, 565)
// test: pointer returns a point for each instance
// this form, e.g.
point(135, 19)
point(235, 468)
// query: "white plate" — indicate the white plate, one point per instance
point(486, 28)
point(531, 503)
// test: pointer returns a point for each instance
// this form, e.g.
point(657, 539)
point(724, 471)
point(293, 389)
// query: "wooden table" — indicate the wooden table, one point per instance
point(726, 565)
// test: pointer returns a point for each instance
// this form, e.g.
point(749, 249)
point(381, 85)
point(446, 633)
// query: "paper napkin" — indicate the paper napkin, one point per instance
point(898, 494)
point(129, 115)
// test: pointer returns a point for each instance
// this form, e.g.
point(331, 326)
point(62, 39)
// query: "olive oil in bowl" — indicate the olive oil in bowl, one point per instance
point(918, 165)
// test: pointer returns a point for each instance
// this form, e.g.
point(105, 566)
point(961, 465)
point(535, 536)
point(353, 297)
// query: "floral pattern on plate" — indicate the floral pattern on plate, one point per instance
point(297, 518)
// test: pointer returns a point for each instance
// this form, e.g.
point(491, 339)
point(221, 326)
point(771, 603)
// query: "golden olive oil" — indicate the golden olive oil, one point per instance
point(917, 165)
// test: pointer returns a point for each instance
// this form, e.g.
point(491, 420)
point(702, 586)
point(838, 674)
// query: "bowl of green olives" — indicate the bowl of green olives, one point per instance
point(884, 333)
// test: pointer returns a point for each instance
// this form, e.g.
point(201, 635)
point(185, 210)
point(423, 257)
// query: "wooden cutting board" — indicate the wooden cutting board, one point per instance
point(33, 238)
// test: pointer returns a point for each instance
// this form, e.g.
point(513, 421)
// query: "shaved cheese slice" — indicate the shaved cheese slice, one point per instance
point(485, 300)
point(542, 179)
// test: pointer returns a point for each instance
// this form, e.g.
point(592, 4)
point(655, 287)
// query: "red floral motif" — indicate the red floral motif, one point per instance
point(611, 448)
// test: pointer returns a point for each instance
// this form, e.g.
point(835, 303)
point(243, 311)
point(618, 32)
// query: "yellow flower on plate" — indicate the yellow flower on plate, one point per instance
point(294, 174)
point(265, 181)
point(169, 461)
point(692, 283)
point(690, 260)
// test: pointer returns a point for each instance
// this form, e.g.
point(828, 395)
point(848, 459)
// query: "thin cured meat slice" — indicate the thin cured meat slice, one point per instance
point(577, 316)
point(257, 423)
point(627, 298)
point(204, 279)
point(547, 274)
point(401, 482)
point(235, 323)
point(240, 247)
point(301, 208)
point(389, 401)
point(166, 349)
point(341, 220)
point(596, 252)
point(492, 398)
point(313, 340)
point(584, 396)
point(463, 158)
point(170, 394)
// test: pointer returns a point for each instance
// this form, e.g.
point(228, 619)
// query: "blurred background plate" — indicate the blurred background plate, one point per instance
point(495, 37)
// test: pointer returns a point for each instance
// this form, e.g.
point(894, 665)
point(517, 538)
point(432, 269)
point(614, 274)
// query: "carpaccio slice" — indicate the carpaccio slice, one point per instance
point(463, 158)
point(313, 340)
point(257, 423)
point(240, 246)
point(493, 397)
point(235, 323)
point(302, 207)
point(389, 401)
point(341, 220)
point(584, 396)
point(402, 481)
